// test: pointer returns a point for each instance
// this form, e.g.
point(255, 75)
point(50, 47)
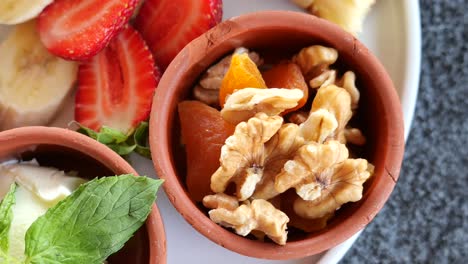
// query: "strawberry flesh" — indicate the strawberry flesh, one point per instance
point(168, 25)
point(116, 87)
point(79, 29)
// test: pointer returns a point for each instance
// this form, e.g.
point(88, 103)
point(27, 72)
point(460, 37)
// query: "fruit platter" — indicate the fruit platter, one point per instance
point(110, 71)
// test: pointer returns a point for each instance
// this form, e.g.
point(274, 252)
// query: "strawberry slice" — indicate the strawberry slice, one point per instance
point(79, 29)
point(168, 25)
point(116, 87)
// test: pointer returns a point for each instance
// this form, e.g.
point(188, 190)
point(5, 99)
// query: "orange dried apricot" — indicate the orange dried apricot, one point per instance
point(203, 133)
point(287, 75)
point(242, 73)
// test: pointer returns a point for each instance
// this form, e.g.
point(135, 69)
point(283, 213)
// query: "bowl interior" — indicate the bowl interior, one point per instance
point(277, 36)
point(365, 119)
point(136, 250)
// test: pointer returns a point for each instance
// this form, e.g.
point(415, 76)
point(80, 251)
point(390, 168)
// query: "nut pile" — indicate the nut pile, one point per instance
point(278, 170)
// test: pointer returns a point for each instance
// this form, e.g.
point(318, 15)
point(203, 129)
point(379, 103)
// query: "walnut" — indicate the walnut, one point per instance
point(220, 200)
point(278, 150)
point(348, 82)
point(354, 136)
point(320, 125)
point(245, 103)
point(258, 215)
point(298, 117)
point(240, 219)
point(309, 169)
point(338, 185)
point(207, 96)
point(347, 14)
point(243, 155)
point(207, 90)
point(271, 221)
point(307, 225)
point(315, 58)
point(327, 77)
point(337, 101)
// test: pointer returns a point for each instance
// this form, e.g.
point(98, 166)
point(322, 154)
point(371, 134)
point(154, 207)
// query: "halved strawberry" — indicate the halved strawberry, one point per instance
point(168, 25)
point(79, 29)
point(116, 87)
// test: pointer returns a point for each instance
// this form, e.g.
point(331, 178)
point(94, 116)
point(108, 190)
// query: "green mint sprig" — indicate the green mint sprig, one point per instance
point(95, 221)
point(6, 217)
point(119, 142)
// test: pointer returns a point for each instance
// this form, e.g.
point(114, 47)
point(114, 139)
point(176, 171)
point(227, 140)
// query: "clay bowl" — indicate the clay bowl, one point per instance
point(281, 33)
point(68, 150)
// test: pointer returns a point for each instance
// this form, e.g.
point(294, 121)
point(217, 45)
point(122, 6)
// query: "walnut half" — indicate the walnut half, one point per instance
point(336, 101)
point(259, 215)
point(339, 185)
point(245, 103)
point(243, 155)
point(314, 56)
point(278, 150)
point(309, 170)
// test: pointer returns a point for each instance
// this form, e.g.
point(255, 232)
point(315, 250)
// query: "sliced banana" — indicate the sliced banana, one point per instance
point(33, 83)
point(18, 11)
point(349, 14)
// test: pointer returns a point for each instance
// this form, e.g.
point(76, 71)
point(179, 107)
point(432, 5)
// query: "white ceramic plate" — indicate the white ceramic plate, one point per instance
point(391, 31)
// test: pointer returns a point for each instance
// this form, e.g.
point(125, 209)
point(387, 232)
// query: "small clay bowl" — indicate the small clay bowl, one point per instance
point(281, 33)
point(71, 151)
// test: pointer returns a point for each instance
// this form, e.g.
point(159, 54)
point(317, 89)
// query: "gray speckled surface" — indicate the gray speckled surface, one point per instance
point(426, 218)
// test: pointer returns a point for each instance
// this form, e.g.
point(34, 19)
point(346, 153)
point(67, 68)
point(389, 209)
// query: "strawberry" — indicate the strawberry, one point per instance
point(79, 29)
point(168, 25)
point(116, 87)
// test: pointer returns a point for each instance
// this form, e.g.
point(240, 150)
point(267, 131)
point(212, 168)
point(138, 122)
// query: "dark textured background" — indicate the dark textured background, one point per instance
point(426, 218)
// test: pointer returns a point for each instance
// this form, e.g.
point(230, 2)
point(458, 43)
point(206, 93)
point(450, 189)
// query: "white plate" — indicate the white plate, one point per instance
point(391, 31)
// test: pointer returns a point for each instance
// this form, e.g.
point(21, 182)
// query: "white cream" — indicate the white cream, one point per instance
point(25, 211)
point(39, 188)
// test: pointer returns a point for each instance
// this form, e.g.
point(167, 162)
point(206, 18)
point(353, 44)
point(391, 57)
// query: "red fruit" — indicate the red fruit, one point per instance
point(79, 29)
point(116, 87)
point(203, 133)
point(168, 25)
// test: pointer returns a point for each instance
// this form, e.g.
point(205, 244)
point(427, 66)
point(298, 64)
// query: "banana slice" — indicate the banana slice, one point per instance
point(349, 14)
point(33, 83)
point(18, 11)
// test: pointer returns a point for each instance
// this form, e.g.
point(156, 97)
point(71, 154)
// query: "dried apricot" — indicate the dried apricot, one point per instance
point(287, 75)
point(203, 133)
point(242, 73)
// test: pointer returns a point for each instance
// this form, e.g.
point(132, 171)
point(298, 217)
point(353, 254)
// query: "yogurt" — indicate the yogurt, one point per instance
point(39, 188)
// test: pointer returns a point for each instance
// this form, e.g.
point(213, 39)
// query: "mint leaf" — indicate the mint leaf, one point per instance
point(119, 142)
point(140, 137)
point(93, 222)
point(109, 135)
point(6, 216)
point(106, 135)
point(122, 149)
point(87, 131)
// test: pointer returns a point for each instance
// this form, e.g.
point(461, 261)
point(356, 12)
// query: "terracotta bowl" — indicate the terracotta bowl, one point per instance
point(281, 34)
point(68, 150)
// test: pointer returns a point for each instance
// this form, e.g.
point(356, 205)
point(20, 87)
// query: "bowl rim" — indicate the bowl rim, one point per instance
point(159, 120)
point(35, 135)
